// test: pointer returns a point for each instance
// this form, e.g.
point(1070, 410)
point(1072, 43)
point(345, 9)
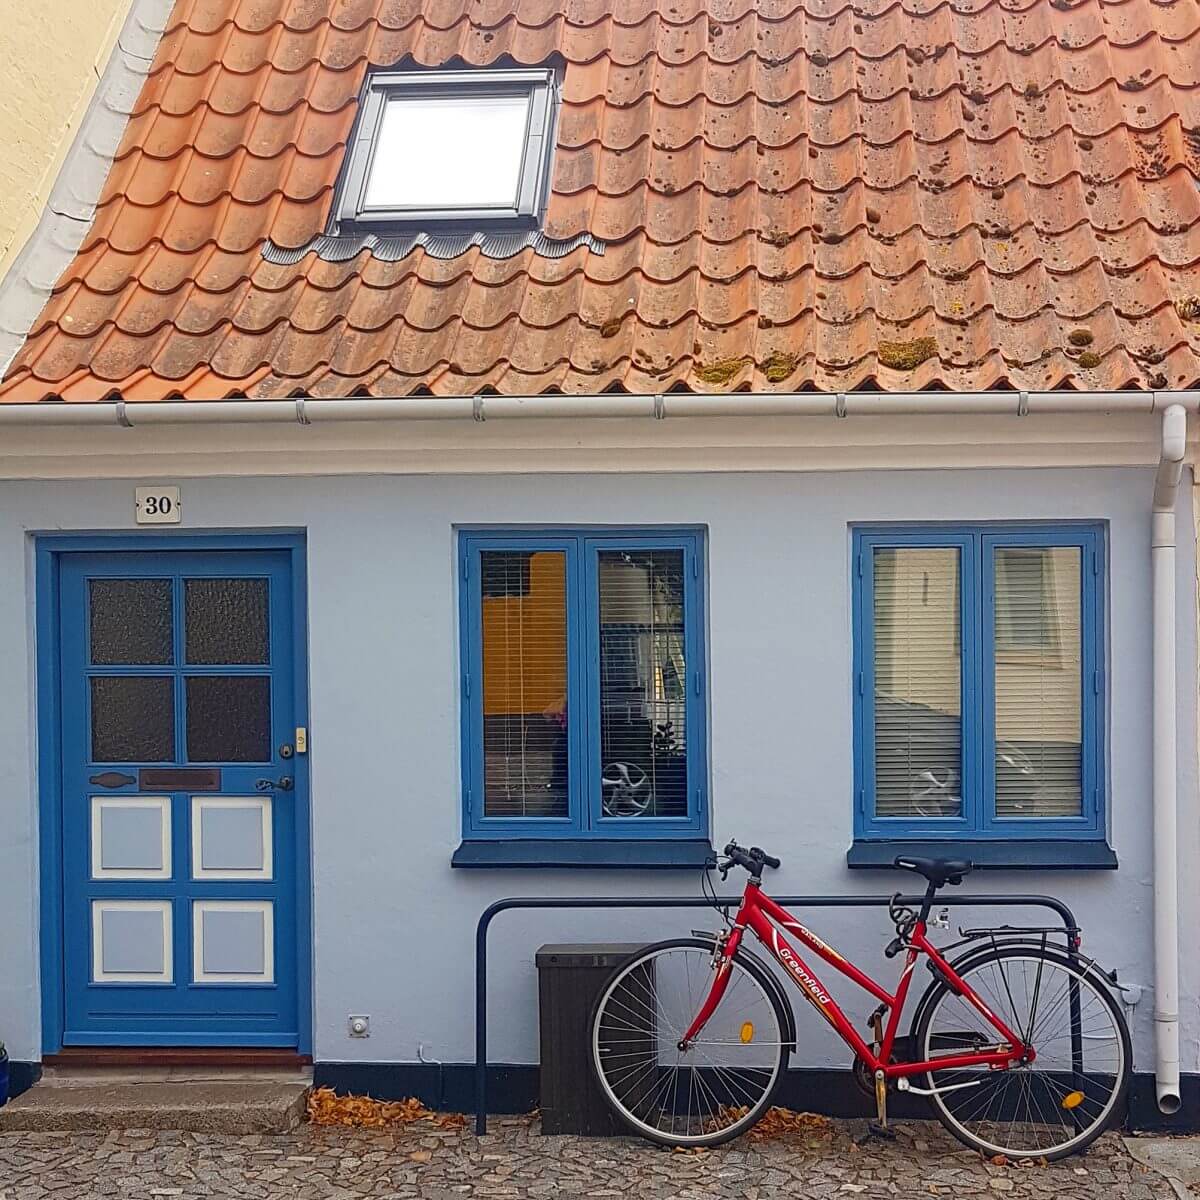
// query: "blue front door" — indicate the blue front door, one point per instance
point(179, 791)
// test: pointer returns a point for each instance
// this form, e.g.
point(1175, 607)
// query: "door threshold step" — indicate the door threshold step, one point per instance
point(208, 1102)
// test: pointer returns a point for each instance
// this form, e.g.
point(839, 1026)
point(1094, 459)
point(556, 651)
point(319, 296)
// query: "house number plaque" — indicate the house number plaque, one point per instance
point(157, 506)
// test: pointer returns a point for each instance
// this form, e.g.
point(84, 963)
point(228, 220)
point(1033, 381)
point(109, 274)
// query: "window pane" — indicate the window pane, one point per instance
point(643, 677)
point(1039, 750)
point(133, 718)
point(918, 682)
point(448, 151)
point(225, 620)
point(130, 621)
point(525, 755)
point(228, 718)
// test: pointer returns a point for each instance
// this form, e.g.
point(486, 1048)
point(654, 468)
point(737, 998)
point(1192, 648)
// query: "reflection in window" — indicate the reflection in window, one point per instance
point(1038, 688)
point(643, 755)
point(525, 750)
point(918, 682)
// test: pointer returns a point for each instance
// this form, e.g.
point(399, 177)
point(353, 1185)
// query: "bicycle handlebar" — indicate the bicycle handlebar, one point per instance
point(753, 860)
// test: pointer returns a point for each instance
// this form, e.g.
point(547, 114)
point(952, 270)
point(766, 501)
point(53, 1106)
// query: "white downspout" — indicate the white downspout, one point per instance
point(1166, 863)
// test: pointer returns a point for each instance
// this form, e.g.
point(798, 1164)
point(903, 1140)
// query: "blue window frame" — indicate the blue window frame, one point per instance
point(583, 684)
point(979, 682)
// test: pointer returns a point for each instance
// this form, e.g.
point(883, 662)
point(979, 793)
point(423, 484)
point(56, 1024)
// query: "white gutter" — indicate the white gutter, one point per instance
point(1173, 405)
point(1166, 863)
point(675, 404)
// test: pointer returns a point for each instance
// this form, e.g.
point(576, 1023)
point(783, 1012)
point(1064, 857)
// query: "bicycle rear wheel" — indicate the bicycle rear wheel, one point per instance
point(1077, 1083)
point(717, 1087)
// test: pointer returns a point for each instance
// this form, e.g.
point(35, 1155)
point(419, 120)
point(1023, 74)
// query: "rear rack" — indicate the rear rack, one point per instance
point(1071, 933)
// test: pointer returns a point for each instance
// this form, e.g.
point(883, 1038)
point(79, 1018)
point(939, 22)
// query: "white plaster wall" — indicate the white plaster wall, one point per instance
point(394, 924)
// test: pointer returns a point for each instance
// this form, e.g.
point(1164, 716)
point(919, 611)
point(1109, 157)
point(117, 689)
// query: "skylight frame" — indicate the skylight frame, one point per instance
point(350, 211)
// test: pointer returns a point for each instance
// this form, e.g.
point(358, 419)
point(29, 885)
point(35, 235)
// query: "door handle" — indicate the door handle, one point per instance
point(282, 784)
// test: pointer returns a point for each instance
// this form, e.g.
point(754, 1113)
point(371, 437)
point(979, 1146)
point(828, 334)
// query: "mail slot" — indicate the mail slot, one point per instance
point(191, 779)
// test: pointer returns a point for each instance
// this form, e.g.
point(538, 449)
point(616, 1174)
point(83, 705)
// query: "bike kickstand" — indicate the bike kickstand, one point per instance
point(879, 1127)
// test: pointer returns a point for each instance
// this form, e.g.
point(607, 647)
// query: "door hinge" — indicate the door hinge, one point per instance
point(464, 567)
point(696, 682)
point(467, 684)
point(1097, 681)
point(860, 683)
point(695, 566)
point(858, 563)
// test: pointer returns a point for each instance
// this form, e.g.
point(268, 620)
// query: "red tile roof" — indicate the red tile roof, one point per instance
point(795, 193)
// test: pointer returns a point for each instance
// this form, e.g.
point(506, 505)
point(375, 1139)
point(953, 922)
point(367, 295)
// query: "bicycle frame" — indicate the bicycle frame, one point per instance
point(759, 913)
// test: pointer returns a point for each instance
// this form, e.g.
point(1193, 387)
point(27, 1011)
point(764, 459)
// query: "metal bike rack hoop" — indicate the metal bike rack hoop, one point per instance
point(729, 902)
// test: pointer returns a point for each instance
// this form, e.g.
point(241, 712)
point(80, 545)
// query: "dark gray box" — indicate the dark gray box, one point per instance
point(569, 980)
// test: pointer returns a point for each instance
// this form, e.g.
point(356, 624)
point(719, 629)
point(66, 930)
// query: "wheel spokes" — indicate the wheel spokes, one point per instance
point(1071, 1086)
point(717, 1081)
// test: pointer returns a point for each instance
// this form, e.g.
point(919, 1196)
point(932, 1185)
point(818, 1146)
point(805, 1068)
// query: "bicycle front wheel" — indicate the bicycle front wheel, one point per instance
point(722, 1082)
point(1077, 1083)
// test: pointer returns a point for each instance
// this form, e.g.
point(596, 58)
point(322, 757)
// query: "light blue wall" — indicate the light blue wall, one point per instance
point(394, 924)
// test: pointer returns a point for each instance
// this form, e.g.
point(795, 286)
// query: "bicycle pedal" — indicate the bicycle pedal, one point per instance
point(886, 1132)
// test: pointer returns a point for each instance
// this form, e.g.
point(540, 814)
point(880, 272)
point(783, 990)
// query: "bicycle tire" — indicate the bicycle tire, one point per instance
point(768, 995)
point(1099, 994)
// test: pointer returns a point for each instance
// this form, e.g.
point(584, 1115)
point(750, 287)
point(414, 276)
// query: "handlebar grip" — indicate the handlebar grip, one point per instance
point(768, 860)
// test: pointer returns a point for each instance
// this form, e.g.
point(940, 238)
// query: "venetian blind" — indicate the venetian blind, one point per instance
point(643, 673)
point(1038, 690)
point(525, 749)
point(918, 682)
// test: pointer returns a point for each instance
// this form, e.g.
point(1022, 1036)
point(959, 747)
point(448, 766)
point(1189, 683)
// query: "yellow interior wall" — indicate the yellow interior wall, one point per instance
point(524, 643)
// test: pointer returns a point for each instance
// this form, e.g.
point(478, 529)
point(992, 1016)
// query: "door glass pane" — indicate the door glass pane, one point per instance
point(1039, 739)
point(918, 682)
point(130, 621)
point(525, 758)
point(228, 718)
point(643, 692)
point(133, 718)
point(226, 621)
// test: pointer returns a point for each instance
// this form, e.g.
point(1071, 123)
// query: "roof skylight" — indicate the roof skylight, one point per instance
point(459, 147)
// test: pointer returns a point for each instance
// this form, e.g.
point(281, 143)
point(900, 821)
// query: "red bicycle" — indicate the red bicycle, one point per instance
point(1017, 1043)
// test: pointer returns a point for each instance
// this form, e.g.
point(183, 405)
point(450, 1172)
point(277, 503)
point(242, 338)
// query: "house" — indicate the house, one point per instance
point(492, 448)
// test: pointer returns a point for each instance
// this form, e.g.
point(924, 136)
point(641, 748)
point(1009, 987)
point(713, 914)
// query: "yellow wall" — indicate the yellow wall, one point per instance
point(52, 54)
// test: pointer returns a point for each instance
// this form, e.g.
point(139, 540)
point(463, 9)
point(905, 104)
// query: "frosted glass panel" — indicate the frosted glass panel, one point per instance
point(228, 718)
point(130, 621)
point(226, 621)
point(448, 151)
point(918, 682)
point(133, 718)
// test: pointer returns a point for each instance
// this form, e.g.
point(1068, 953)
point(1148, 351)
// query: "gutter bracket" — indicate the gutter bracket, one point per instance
point(123, 417)
point(477, 413)
point(660, 407)
point(301, 415)
point(839, 407)
point(1022, 404)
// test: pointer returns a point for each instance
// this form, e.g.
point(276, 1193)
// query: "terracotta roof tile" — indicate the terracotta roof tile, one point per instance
point(793, 193)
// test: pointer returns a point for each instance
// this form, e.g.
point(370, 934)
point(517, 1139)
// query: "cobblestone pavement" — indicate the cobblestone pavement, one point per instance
point(425, 1162)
